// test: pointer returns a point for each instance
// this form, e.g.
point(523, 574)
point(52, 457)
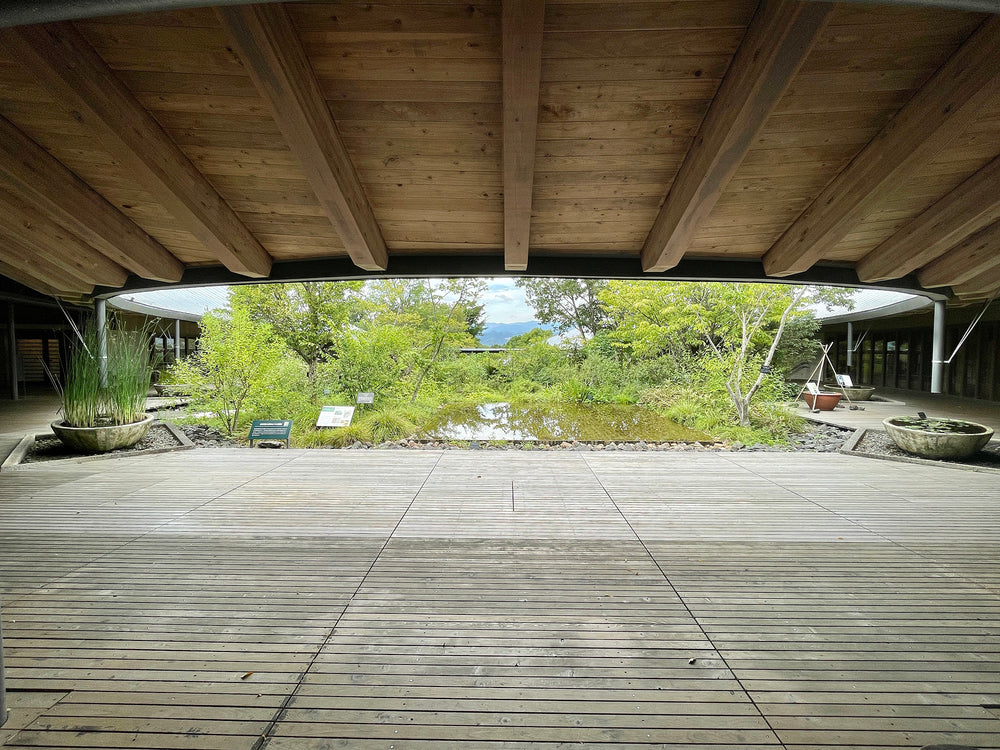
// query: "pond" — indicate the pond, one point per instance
point(556, 421)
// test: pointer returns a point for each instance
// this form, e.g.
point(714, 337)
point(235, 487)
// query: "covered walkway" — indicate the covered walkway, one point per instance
point(394, 599)
point(897, 402)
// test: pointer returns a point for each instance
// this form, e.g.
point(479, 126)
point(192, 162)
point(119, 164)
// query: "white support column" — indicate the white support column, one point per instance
point(100, 312)
point(177, 340)
point(12, 351)
point(937, 348)
point(850, 346)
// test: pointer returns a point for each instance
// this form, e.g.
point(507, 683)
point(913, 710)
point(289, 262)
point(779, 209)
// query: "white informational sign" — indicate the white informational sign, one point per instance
point(335, 416)
point(366, 398)
point(844, 381)
point(812, 388)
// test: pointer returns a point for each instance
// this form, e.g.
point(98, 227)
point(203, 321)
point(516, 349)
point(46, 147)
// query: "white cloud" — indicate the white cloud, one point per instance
point(504, 303)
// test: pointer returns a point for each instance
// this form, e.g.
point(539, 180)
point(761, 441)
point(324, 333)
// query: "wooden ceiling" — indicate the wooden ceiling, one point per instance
point(789, 137)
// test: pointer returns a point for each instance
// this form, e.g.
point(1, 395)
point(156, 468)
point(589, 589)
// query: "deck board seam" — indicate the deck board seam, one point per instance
point(282, 711)
point(684, 604)
point(139, 536)
point(888, 540)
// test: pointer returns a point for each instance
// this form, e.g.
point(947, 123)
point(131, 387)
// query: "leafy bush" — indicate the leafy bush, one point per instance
point(376, 360)
point(237, 371)
point(697, 398)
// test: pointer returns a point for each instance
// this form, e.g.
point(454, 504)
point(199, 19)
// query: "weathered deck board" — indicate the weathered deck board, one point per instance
point(461, 599)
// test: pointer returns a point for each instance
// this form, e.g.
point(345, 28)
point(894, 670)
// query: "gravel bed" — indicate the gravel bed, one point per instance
point(815, 438)
point(53, 449)
point(878, 443)
point(204, 436)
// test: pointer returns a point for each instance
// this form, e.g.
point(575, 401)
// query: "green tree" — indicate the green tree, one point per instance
point(374, 359)
point(445, 319)
point(736, 327)
point(236, 365)
point(537, 335)
point(567, 304)
point(307, 316)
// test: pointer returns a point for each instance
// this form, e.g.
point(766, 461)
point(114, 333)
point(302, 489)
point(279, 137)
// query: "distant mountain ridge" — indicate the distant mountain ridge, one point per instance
point(498, 334)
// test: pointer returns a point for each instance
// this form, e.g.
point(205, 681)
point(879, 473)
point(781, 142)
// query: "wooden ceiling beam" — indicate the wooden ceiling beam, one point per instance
point(26, 279)
point(965, 210)
point(27, 225)
point(985, 284)
point(71, 70)
point(939, 112)
point(265, 39)
point(523, 22)
point(776, 43)
point(29, 264)
point(44, 180)
point(965, 261)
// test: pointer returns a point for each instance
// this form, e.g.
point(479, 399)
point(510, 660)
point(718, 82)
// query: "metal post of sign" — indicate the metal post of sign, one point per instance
point(937, 348)
point(100, 312)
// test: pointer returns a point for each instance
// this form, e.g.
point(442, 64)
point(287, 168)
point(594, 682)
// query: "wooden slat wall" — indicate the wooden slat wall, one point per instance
point(455, 599)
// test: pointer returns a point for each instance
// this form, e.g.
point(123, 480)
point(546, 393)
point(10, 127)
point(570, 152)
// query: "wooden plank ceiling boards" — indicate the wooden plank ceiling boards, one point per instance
point(789, 137)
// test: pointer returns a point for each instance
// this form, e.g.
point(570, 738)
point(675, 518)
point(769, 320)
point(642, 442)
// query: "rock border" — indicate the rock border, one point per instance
point(850, 449)
point(15, 459)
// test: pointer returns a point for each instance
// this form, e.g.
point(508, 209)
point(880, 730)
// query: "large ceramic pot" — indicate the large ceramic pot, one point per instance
point(937, 438)
point(854, 393)
point(101, 439)
point(823, 401)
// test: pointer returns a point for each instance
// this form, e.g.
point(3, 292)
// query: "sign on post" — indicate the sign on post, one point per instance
point(335, 416)
point(270, 429)
point(366, 398)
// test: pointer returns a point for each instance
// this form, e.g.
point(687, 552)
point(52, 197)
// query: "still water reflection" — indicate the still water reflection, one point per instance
point(557, 421)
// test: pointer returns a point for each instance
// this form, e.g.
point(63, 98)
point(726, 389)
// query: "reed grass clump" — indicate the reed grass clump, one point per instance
point(86, 402)
point(81, 392)
point(129, 375)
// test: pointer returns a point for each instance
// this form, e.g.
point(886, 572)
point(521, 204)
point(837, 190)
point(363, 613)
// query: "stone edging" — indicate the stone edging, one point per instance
point(850, 449)
point(13, 462)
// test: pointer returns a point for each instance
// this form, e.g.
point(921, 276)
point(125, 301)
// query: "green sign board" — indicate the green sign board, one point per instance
point(270, 429)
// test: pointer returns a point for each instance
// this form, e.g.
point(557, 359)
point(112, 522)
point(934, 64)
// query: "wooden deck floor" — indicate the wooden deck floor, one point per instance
point(305, 600)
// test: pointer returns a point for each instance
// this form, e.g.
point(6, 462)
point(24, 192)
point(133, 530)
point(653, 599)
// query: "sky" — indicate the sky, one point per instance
point(503, 302)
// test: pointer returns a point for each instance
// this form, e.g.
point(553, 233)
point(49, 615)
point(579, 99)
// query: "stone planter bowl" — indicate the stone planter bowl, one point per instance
point(101, 439)
point(824, 400)
point(855, 393)
point(947, 445)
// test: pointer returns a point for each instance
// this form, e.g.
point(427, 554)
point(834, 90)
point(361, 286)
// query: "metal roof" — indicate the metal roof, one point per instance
point(190, 303)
